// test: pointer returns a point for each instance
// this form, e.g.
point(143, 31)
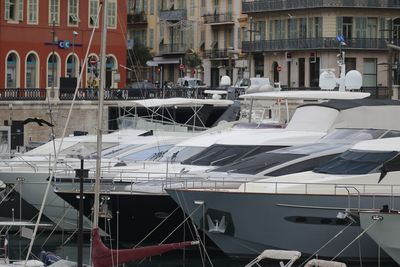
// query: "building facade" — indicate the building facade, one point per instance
point(292, 41)
point(43, 42)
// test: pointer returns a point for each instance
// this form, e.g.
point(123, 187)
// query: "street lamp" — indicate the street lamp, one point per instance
point(74, 34)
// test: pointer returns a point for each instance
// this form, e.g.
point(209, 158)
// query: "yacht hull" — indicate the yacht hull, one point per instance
point(132, 218)
point(249, 223)
point(32, 187)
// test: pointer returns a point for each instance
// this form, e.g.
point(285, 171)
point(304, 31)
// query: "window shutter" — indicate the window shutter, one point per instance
point(339, 25)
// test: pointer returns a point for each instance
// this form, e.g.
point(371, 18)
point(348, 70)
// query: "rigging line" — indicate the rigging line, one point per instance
point(8, 193)
point(355, 239)
point(202, 246)
point(184, 221)
point(154, 229)
point(54, 228)
point(62, 137)
point(327, 243)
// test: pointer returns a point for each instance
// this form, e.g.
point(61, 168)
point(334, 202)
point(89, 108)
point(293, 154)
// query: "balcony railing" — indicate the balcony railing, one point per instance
point(28, 94)
point(216, 53)
point(173, 15)
point(112, 94)
point(225, 18)
point(173, 48)
point(276, 5)
point(314, 43)
point(139, 18)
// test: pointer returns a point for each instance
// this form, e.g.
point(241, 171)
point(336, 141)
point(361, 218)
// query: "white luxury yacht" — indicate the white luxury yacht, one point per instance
point(282, 212)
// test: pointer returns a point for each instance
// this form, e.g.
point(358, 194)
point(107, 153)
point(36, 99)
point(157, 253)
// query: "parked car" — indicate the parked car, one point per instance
point(191, 82)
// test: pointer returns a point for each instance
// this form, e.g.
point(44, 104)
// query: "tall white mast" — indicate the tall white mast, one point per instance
point(102, 85)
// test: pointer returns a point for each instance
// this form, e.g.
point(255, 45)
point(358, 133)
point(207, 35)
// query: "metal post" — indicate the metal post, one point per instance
point(390, 59)
point(80, 229)
point(52, 93)
point(251, 46)
point(74, 34)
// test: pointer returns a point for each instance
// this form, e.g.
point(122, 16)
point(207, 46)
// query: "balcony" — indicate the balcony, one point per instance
point(219, 19)
point(137, 19)
point(216, 54)
point(173, 15)
point(279, 5)
point(314, 43)
point(171, 49)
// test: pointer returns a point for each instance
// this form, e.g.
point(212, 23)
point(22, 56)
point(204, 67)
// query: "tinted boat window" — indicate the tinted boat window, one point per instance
point(258, 163)
point(391, 133)
point(152, 153)
point(356, 162)
point(218, 155)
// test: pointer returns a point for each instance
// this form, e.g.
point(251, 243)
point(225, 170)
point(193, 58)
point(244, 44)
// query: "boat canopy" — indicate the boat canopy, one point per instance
point(305, 95)
point(174, 102)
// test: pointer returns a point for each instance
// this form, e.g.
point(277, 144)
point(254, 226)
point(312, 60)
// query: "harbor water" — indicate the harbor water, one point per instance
point(191, 257)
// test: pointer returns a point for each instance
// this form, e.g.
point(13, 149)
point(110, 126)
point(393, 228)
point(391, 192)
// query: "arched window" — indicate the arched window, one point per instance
point(111, 71)
point(53, 70)
point(72, 68)
point(12, 70)
point(31, 73)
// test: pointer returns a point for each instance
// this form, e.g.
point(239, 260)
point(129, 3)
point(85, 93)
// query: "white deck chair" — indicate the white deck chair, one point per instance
point(324, 263)
point(284, 255)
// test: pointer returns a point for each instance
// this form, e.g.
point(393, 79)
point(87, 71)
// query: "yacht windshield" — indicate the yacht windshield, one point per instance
point(219, 155)
point(114, 151)
point(152, 153)
point(258, 163)
point(350, 135)
point(86, 149)
point(356, 162)
point(180, 153)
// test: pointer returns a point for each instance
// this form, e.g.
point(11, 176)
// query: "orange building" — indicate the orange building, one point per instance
point(42, 41)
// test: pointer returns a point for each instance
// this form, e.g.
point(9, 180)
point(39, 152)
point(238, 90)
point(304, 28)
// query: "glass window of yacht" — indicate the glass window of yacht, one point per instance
point(181, 153)
point(259, 162)
point(114, 151)
point(391, 133)
point(219, 155)
point(152, 153)
point(301, 166)
point(85, 149)
point(356, 162)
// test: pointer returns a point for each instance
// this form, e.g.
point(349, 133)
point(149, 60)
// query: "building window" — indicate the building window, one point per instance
point(372, 27)
point(54, 12)
point(53, 68)
point(112, 14)
point(369, 73)
point(302, 28)
point(347, 28)
point(396, 30)
point(72, 66)
point(151, 7)
point(31, 73)
point(151, 38)
point(12, 70)
point(33, 10)
point(110, 71)
point(93, 8)
point(14, 10)
point(73, 15)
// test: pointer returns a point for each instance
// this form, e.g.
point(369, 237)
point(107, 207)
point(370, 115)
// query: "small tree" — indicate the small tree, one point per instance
point(192, 60)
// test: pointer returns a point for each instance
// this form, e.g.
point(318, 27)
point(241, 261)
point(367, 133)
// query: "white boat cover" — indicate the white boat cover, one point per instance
point(63, 263)
point(309, 95)
point(170, 102)
point(324, 263)
point(279, 254)
point(29, 263)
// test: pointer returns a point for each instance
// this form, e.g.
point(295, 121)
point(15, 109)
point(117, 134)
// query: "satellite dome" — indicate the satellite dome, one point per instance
point(353, 80)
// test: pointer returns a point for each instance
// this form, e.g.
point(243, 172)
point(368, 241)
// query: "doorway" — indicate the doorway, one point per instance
point(301, 72)
point(275, 71)
point(214, 77)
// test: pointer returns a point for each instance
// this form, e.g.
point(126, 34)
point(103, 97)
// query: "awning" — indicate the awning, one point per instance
point(162, 61)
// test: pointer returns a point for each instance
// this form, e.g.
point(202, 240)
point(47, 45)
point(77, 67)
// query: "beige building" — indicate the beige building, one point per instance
point(287, 41)
point(293, 40)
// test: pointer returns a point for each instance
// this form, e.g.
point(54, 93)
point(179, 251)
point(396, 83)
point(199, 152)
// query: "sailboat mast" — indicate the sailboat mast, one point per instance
point(102, 85)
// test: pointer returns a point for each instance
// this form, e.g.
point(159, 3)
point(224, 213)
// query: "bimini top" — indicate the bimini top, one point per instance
point(385, 144)
point(171, 102)
point(354, 103)
point(305, 95)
